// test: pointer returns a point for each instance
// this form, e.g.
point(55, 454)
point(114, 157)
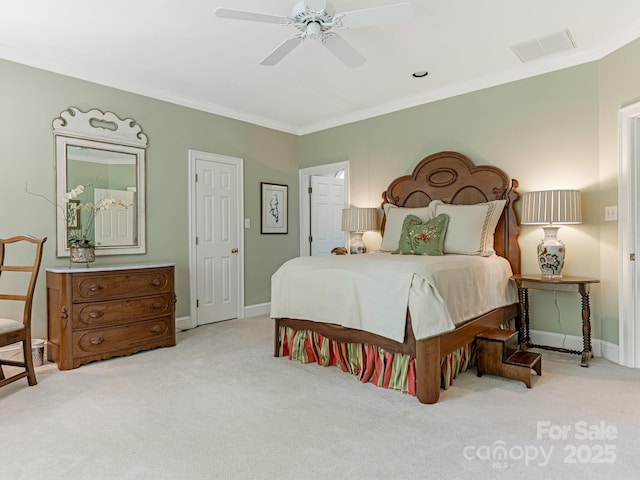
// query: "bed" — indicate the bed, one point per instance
point(442, 182)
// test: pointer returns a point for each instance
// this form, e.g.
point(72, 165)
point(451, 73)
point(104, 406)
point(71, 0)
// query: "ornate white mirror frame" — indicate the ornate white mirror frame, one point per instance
point(106, 155)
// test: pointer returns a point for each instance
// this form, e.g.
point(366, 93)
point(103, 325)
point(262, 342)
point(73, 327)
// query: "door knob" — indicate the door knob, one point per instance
point(234, 250)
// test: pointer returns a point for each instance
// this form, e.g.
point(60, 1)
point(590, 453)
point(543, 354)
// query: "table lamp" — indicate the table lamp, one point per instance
point(551, 208)
point(358, 221)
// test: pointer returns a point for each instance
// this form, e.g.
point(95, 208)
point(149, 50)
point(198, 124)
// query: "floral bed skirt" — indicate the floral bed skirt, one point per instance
point(368, 362)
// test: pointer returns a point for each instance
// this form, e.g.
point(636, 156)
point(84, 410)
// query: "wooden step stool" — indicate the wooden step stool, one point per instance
point(498, 354)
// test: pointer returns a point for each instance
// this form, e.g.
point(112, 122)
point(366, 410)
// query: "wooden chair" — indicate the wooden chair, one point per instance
point(12, 331)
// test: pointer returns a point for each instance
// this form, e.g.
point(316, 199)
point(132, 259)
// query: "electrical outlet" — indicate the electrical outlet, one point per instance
point(611, 214)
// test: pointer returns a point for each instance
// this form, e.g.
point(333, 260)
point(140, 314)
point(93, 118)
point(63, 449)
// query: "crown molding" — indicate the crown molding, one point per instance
point(517, 72)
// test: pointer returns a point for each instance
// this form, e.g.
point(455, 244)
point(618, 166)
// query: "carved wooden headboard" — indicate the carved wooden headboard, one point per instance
point(452, 178)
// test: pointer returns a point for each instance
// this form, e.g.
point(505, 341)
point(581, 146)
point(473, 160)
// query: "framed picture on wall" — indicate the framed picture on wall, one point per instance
point(73, 215)
point(273, 208)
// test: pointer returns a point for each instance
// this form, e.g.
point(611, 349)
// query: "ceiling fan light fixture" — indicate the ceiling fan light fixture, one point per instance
point(314, 30)
point(316, 18)
point(420, 74)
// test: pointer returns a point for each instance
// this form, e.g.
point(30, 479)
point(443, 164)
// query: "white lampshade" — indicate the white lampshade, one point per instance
point(551, 206)
point(359, 219)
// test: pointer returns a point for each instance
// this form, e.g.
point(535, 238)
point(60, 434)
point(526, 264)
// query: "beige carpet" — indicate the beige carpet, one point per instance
point(220, 406)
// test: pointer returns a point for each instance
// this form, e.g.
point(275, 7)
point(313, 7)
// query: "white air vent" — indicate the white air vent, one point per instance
point(543, 46)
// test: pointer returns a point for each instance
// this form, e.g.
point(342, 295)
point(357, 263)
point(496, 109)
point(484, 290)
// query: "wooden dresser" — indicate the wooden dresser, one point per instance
point(101, 312)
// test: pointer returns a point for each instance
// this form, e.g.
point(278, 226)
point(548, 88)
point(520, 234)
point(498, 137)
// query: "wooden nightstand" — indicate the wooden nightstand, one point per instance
point(561, 284)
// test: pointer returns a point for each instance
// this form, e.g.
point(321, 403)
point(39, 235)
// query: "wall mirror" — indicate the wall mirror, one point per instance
point(106, 155)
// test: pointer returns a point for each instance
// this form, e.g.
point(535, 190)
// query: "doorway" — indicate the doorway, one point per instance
point(216, 237)
point(628, 241)
point(323, 194)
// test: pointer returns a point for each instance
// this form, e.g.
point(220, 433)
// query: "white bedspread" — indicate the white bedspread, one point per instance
point(371, 292)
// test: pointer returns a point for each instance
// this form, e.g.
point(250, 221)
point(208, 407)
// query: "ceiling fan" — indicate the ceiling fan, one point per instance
point(315, 19)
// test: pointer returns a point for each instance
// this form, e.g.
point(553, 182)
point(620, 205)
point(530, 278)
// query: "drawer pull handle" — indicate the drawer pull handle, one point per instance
point(156, 305)
point(155, 282)
point(155, 329)
point(64, 315)
point(95, 314)
point(95, 288)
point(96, 340)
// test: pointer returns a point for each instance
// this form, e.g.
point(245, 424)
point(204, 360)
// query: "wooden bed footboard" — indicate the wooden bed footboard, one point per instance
point(428, 375)
point(427, 353)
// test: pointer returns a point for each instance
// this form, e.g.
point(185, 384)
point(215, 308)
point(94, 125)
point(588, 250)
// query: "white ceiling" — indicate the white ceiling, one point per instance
point(179, 51)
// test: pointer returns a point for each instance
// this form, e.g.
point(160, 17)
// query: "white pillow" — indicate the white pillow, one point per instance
point(393, 224)
point(471, 227)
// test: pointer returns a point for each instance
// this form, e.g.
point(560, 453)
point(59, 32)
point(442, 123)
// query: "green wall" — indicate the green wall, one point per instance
point(557, 130)
point(32, 98)
point(619, 80)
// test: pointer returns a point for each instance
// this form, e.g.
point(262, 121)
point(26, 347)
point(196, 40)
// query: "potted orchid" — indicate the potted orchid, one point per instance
point(80, 218)
point(80, 238)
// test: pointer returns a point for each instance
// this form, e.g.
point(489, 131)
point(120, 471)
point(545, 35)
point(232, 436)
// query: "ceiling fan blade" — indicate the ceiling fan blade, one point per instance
point(400, 12)
point(283, 50)
point(251, 16)
point(316, 5)
point(341, 49)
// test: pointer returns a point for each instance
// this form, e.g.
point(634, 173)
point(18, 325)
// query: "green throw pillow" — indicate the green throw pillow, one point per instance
point(424, 238)
point(404, 245)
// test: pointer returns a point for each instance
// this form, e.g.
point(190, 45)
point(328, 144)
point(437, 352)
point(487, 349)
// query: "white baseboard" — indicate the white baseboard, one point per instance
point(610, 351)
point(257, 310)
point(184, 323)
point(600, 348)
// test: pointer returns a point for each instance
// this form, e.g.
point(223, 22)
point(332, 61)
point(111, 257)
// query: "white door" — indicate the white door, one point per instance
point(216, 255)
point(334, 170)
point(326, 204)
point(628, 236)
point(115, 226)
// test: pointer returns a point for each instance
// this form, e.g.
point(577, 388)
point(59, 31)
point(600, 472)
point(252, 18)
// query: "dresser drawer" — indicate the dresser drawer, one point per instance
point(133, 283)
point(123, 338)
point(107, 313)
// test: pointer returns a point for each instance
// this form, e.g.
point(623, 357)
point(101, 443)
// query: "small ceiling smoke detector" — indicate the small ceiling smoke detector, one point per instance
point(544, 46)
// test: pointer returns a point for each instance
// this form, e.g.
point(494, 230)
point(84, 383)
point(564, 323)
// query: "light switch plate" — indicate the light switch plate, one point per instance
point(247, 223)
point(611, 213)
